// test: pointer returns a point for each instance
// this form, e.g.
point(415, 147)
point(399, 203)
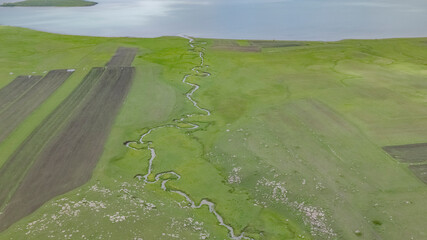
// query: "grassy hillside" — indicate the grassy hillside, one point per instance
point(292, 148)
point(50, 3)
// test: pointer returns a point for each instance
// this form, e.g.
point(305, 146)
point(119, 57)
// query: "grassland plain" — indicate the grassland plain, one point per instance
point(50, 3)
point(292, 149)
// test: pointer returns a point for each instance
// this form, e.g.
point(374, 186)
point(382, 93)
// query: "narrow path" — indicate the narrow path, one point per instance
point(173, 175)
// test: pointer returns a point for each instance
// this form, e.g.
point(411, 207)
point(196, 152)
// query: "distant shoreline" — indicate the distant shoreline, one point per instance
point(217, 38)
point(287, 21)
point(49, 3)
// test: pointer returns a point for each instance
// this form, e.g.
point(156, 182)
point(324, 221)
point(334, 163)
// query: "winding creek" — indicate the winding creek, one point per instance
point(173, 175)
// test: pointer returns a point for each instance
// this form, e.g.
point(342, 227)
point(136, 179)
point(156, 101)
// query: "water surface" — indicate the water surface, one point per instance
point(249, 19)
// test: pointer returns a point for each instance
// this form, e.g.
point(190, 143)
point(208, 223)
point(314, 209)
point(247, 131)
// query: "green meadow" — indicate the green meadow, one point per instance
point(293, 148)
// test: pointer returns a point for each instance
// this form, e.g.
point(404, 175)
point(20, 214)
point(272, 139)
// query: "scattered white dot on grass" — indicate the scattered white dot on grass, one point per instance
point(234, 176)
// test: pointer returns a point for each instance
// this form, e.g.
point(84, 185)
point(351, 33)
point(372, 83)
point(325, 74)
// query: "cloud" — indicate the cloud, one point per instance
point(406, 7)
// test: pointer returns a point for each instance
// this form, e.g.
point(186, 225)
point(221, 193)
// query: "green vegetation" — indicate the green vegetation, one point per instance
point(292, 148)
point(50, 3)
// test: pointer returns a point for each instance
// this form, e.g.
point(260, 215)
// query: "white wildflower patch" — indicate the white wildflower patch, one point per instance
point(316, 218)
point(117, 217)
point(72, 208)
point(176, 227)
point(279, 191)
point(234, 176)
point(66, 210)
point(260, 203)
point(319, 186)
point(103, 190)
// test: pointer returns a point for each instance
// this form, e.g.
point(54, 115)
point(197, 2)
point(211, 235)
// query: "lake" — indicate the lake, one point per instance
point(237, 19)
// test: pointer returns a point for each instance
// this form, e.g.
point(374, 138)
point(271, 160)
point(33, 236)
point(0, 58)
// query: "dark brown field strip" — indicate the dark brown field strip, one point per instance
point(68, 160)
point(14, 169)
point(410, 153)
point(275, 44)
point(16, 89)
point(420, 171)
point(20, 109)
point(123, 57)
point(225, 42)
point(238, 48)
